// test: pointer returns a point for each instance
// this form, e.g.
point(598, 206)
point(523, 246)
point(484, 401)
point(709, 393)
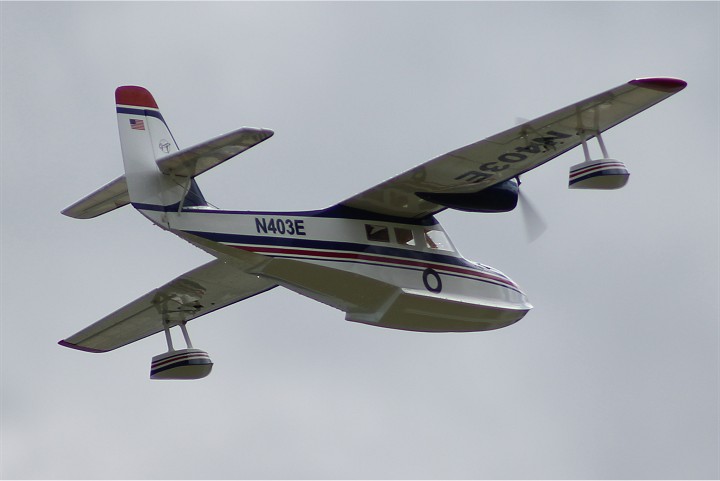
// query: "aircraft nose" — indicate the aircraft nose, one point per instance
point(512, 292)
point(522, 298)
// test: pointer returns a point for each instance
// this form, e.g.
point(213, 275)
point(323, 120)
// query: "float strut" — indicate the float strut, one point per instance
point(602, 146)
point(186, 335)
point(168, 337)
point(599, 138)
point(586, 151)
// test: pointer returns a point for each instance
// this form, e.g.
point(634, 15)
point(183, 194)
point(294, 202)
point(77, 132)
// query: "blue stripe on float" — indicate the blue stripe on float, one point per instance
point(182, 363)
point(600, 173)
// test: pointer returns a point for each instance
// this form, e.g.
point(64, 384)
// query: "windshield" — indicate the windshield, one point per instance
point(437, 239)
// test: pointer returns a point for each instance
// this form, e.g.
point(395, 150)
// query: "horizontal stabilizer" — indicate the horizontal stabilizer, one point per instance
point(106, 198)
point(202, 157)
point(188, 162)
point(203, 290)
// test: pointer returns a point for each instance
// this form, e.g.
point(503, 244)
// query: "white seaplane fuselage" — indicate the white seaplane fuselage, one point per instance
point(401, 275)
point(379, 256)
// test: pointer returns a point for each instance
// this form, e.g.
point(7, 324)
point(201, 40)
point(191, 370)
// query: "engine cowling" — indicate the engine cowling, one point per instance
point(502, 197)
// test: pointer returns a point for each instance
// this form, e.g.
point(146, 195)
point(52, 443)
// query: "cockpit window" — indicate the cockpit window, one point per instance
point(377, 233)
point(404, 236)
point(436, 239)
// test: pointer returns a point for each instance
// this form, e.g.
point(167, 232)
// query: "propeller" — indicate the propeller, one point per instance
point(533, 221)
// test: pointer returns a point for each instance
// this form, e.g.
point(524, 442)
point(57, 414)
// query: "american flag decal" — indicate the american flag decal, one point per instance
point(137, 124)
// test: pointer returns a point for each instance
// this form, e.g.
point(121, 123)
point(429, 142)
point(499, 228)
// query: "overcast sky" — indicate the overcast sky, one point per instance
point(614, 374)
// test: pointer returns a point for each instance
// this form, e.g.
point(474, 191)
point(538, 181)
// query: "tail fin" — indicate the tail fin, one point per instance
point(159, 177)
point(144, 138)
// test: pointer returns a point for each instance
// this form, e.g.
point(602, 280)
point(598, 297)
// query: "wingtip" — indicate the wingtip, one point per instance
point(73, 213)
point(65, 343)
point(136, 96)
point(663, 84)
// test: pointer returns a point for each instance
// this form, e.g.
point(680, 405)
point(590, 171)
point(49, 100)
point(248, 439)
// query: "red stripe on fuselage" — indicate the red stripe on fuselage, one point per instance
point(366, 257)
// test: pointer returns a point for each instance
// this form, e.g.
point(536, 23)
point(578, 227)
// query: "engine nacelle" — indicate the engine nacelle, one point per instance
point(502, 197)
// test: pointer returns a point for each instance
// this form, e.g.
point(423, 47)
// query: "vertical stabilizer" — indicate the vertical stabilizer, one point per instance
point(144, 138)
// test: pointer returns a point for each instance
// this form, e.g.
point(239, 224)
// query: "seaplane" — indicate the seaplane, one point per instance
point(380, 256)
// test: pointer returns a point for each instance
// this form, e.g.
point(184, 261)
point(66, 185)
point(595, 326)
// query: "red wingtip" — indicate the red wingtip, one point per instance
point(79, 348)
point(132, 95)
point(663, 84)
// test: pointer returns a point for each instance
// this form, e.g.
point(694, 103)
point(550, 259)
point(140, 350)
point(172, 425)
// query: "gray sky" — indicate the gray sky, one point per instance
point(614, 374)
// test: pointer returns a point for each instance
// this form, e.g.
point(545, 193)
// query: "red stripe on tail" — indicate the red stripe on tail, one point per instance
point(132, 95)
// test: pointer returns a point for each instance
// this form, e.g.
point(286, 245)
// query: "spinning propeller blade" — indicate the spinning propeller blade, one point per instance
point(533, 221)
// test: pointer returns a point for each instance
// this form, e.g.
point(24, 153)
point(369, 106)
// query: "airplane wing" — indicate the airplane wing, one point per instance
point(510, 153)
point(188, 162)
point(203, 290)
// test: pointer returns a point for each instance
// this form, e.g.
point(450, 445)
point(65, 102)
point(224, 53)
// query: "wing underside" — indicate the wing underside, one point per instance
point(510, 153)
point(198, 292)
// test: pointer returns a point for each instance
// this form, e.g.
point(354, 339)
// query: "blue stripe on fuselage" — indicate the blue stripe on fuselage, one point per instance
point(333, 245)
point(480, 274)
point(335, 212)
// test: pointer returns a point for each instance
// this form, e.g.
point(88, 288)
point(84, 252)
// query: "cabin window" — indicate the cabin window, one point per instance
point(436, 239)
point(404, 236)
point(377, 233)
